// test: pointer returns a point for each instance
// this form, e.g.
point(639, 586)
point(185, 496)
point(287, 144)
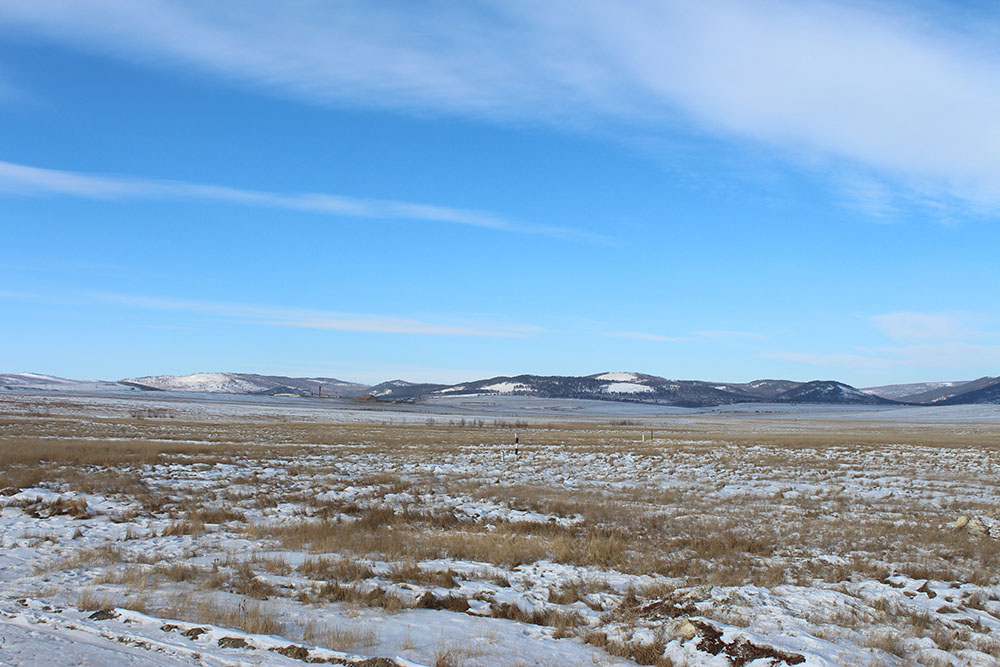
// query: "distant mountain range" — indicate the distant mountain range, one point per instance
point(630, 387)
point(642, 388)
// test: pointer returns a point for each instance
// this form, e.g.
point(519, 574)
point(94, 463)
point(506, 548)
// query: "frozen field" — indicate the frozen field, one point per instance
point(173, 529)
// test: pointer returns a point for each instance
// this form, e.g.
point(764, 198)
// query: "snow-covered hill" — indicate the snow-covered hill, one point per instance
point(979, 390)
point(975, 392)
point(830, 391)
point(403, 390)
point(39, 382)
point(640, 387)
point(608, 386)
point(903, 392)
point(249, 383)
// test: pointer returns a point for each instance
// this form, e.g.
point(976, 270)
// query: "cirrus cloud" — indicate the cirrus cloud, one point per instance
point(888, 88)
point(29, 180)
point(928, 326)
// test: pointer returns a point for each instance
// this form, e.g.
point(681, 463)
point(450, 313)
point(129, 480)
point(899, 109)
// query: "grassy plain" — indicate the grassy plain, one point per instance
point(829, 540)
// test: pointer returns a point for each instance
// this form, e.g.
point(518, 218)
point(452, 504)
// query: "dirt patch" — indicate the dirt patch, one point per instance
point(666, 608)
point(740, 651)
point(367, 662)
point(293, 651)
point(233, 642)
point(447, 602)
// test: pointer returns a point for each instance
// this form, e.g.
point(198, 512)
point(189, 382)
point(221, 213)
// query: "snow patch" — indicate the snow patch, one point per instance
point(225, 383)
point(507, 387)
point(618, 377)
point(627, 388)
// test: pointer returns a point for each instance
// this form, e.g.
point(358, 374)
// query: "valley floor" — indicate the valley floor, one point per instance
point(182, 532)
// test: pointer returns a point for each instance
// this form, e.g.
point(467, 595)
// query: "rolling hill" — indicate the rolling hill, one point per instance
point(976, 391)
point(250, 383)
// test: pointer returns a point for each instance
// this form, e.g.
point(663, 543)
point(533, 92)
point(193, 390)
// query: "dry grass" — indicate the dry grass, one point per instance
point(89, 600)
point(371, 596)
point(185, 527)
point(248, 616)
point(665, 507)
point(215, 515)
point(413, 574)
point(339, 638)
point(40, 509)
point(106, 554)
point(335, 569)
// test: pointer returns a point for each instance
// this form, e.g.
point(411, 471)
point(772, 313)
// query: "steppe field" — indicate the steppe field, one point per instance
point(182, 531)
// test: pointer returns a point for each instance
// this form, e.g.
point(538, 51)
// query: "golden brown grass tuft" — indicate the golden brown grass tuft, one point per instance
point(338, 637)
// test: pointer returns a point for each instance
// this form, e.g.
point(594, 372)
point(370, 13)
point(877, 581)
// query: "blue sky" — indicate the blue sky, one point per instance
point(449, 191)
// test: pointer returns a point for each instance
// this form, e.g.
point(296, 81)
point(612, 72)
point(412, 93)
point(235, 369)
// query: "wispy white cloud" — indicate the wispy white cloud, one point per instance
point(886, 86)
point(29, 180)
point(871, 196)
point(904, 326)
point(393, 325)
point(9, 91)
point(714, 335)
point(166, 327)
point(639, 335)
point(943, 341)
point(836, 360)
point(360, 370)
point(722, 334)
point(315, 319)
point(948, 357)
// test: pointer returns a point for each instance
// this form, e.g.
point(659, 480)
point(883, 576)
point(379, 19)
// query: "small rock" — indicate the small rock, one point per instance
point(233, 642)
point(977, 527)
point(682, 629)
point(194, 633)
point(980, 526)
point(103, 615)
point(169, 627)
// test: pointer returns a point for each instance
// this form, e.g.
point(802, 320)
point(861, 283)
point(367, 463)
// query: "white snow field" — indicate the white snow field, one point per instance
point(163, 530)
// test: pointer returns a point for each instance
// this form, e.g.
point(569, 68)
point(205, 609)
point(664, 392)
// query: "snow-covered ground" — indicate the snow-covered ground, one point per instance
point(224, 531)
